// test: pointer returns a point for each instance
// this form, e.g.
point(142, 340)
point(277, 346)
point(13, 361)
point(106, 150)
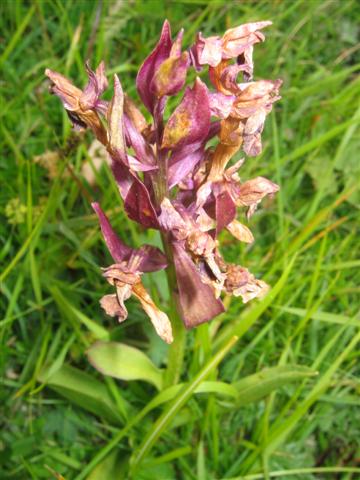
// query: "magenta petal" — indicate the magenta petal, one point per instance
point(181, 164)
point(147, 70)
point(136, 197)
point(152, 259)
point(170, 76)
point(137, 142)
point(137, 166)
point(95, 87)
point(147, 258)
point(118, 250)
point(190, 122)
point(197, 301)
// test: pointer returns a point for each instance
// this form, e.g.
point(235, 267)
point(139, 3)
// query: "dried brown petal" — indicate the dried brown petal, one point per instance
point(253, 289)
point(120, 273)
point(135, 115)
point(158, 318)
point(240, 231)
point(253, 191)
point(113, 308)
point(200, 243)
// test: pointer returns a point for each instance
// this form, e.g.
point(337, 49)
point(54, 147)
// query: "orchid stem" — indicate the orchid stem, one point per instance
point(177, 348)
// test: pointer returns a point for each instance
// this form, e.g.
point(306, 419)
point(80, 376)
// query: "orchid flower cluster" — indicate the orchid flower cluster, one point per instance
point(168, 176)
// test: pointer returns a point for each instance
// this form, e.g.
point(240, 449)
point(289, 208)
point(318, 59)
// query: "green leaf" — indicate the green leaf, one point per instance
point(126, 363)
point(82, 390)
point(108, 468)
point(221, 388)
point(255, 387)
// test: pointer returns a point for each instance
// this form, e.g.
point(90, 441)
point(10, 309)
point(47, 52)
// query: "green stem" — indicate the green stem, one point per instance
point(177, 348)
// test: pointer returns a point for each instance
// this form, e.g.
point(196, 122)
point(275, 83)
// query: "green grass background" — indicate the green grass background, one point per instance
point(51, 250)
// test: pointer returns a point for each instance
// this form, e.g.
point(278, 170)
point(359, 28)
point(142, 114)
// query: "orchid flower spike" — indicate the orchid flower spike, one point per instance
point(178, 171)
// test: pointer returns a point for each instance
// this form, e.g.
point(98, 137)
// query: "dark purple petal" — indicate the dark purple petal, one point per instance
point(190, 122)
point(214, 129)
point(152, 259)
point(136, 197)
point(196, 299)
point(158, 115)
point(118, 250)
point(147, 70)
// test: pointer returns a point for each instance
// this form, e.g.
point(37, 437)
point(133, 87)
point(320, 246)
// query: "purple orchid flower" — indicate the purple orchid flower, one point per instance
point(163, 73)
point(178, 175)
point(125, 275)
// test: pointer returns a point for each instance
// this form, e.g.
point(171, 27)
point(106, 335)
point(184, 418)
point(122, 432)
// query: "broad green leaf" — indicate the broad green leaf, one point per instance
point(82, 390)
point(126, 363)
point(255, 387)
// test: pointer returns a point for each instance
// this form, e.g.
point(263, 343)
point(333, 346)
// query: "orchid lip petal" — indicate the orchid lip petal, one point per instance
point(136, 140)
point(181, 164)
point(112, 307)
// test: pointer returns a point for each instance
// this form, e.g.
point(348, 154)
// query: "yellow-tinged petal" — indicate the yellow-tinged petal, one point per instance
point(158, 318)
